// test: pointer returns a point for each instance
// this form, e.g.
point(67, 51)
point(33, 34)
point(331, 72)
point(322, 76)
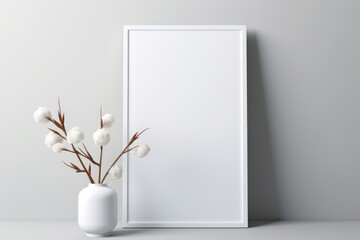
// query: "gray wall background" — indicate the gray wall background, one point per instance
point(303, 78)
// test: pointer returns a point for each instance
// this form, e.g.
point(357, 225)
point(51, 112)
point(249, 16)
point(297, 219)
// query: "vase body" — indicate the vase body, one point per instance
point(97, 210)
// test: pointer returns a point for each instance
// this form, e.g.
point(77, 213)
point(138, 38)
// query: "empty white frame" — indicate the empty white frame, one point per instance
point(188, 85)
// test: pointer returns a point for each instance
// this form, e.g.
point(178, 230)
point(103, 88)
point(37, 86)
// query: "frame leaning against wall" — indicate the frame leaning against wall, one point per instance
point(188, 85)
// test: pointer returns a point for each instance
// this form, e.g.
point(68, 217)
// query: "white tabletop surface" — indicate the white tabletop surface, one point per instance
point(287, 230)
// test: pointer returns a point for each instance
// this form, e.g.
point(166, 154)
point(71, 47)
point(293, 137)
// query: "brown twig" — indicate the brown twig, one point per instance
point(125, 150)
point(71, 151)
point(57, 133)
point(82, 164)
point(82, 153)
point(101, 147)
point(100, 163)
point(101, 120)
point(88, 155)
point(73, 166)
point(61, 125)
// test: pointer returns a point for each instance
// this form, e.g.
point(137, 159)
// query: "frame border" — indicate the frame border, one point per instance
point(243, 127)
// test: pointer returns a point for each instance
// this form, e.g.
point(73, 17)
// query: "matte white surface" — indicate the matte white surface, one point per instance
point(292, 230)
point(188, 85)
point(97, 209)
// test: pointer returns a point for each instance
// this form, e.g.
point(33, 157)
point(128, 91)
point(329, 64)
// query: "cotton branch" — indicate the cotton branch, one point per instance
point(125, 150)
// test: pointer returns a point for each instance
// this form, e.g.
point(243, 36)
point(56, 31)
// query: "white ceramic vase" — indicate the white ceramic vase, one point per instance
point(97, 210)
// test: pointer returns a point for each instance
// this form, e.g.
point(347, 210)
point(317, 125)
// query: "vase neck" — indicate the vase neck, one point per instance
point(97, 185)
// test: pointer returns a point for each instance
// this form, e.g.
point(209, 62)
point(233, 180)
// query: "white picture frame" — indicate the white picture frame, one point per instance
point(187, 84)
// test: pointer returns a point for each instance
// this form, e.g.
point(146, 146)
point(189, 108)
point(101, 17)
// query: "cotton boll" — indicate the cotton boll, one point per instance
point(142, 150)
point(116, 172)
point(58, 147)
point(75, 135)
point(51, 139)
point(101, 137)
point(108, 120)
point(41, 115)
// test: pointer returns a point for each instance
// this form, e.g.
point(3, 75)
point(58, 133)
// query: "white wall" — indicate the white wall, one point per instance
point(303, 73)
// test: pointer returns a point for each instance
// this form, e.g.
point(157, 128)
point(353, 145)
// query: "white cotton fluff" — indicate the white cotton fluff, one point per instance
point(116, 172)
point(101, 137)
point(58, 147)
point(142, 150)
point(75, 135)
point(41, 115)
point(51, 139)
point(108, 120)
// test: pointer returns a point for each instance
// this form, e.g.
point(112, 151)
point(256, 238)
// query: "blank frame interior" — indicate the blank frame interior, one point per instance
point(187, 84)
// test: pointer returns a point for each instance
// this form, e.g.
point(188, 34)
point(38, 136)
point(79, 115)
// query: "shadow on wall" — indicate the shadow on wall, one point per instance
point(263, 192)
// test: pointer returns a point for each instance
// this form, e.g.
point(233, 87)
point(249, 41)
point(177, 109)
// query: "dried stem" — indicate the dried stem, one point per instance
point(61, 125)
point(88, 155)
point(59, 105)
point(57, 133)
point(101, 147)
point(125, 150)
point(73, 166)
point(82, 164)
point(81, 153)
point(100, 163)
